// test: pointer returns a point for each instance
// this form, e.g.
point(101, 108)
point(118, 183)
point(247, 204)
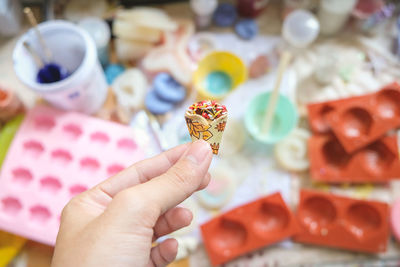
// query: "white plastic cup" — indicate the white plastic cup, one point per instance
point(333, 14)
point(85, 90)
point(100, 32)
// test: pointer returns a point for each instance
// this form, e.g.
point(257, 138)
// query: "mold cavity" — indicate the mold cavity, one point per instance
point(50, 184)
point(114, 169)
point(322, 125)
point(72, 130)
point(39, 214)
point(61, 156)
point(227, 236)
point(362, 219)
point(388, 103)
point(317, 213)
point(356, 122)
point(22, 176)
point(11, 206)
point(44, 123)
point(77, 189)
point(377, 158)
point(100, 138)
point(33, 148)
point(126, 144)
point(270, 217)
point(90, 164)
point(334, 154)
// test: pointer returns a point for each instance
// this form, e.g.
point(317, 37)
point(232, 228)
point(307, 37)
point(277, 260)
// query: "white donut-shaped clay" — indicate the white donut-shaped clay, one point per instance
point(291, 153)
point(130, 88)
point(220, 189)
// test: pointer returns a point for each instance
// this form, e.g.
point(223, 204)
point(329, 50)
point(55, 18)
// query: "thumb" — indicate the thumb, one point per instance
point(174, 186)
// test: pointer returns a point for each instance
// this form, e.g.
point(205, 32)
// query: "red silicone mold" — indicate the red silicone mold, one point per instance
point(334, 221)
point(358, 122)
point(395, 219)
point(247, 228)
point(329, 162)
point(317, 114)
point(54, 156)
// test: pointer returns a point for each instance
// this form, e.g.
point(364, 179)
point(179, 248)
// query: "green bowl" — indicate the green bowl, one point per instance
point(285, 118)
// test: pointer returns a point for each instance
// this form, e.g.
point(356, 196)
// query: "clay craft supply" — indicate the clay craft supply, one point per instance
point(341, 222)
point(171, 56)
point(10, 246)
point(259, 67)
point(148, 17)
point(395, 219)
point(54, 156)
point(317, 113)
point(99, 30)
point(186, 246)
point(10, 105)
point(284, 121)
point(292, 153)
point(246, 29)
point(156, 105)
point(225, 15)
point(168, 89)
point(85, 90)
point(166, 93)
point(333, 15)
point(220, 189)
point(139, 30)
point(376, 163)
point(360, 121)
point(203, 10)
point(131, 50)
point(130, 89)
point(207, 120)
point(249, 227)
point(218, 74)
point(300, 28)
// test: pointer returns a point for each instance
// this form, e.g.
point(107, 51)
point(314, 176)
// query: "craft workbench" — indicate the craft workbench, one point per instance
point(286, 253)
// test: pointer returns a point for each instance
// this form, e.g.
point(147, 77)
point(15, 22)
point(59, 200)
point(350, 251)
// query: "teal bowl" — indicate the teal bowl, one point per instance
point(285, 118)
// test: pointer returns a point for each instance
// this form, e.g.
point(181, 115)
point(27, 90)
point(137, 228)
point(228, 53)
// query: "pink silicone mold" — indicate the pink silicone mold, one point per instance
point(55, 156)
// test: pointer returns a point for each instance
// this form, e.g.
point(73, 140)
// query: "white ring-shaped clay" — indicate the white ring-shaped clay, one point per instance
point(220, 189)
point(130, 88)
point(291, 153)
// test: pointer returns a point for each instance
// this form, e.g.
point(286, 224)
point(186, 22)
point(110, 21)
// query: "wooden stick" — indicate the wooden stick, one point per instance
point(273, 99)
point(32, 20)
point(34, 55)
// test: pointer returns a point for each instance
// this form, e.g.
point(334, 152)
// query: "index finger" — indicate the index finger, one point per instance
point(142, 171)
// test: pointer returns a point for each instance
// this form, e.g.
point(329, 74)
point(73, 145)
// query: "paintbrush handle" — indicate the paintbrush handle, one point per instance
point(34, 55)
point(273, 100)
point(32, 20)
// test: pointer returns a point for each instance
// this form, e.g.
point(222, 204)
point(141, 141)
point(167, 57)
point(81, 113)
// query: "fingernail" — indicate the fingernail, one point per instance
point(198, 151)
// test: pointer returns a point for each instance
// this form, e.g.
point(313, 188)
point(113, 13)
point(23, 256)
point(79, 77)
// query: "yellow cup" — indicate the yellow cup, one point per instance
point(220, 62)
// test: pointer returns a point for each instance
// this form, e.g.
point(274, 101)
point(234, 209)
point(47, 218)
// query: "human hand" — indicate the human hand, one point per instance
point(115, 223)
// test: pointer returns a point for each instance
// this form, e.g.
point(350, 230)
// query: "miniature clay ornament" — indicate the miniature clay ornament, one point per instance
point(291, 152)
point(207, 120)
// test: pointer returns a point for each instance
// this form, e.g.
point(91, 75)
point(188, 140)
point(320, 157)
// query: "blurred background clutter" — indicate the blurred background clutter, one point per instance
point(309, 155)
